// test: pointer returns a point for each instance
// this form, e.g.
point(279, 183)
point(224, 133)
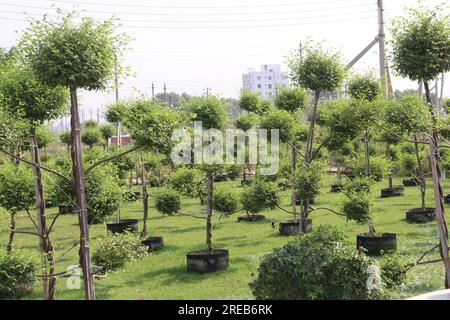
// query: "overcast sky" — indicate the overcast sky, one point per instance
point(191, 45)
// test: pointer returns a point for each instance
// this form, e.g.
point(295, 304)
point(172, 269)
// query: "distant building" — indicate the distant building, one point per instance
point(266, 81)
point(126, 140)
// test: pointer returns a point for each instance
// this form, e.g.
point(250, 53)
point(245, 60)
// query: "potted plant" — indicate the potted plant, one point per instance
point(357, 206)
point(257, 196)
point(318, 70)
point(150, 126)
point(411, 117)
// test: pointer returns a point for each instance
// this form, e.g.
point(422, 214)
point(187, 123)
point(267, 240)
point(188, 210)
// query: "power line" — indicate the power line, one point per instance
point(224, 27)
point(196, 7)
point(214, 21)
point(200, 14)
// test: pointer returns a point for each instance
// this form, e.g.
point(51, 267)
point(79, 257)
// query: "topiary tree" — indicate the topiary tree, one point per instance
point(258, 196)
point(318, 70)
point(48, 46)
point(91, 136)
point(420, 52)
point(168, 202)
point(151, 126)
point(358, 202)
point(251, 102)
point(411, 117)
point(187, 181)
point(319, 266)
point(16, 194)
point(116, 114)
point(66, 138)
point(107, 132)
point(225, 202)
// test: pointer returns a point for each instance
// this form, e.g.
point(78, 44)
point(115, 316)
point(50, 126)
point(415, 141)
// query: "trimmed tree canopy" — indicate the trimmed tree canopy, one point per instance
point(292, 99)
point(364, 87)
point(16, 187)
point(421, 43)
point(209, 110)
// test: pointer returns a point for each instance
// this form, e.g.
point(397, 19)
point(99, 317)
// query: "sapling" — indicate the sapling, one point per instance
point(259, 195)
point(318, 70)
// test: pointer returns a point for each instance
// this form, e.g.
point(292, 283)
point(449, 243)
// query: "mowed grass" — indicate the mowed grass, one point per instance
point(163, 275)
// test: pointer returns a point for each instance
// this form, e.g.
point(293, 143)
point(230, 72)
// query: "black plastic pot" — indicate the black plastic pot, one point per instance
point(220, 177)
point(207, 261)
point(337, 187)
point(410, 182)
point(123, 225)
point(292, 228)
point(153, 243)
point(48, 204)
point(18, 292)
point(375, 244)
point(447, 198)
point(136, 195)
point(251, 218)
point(64, 209)
point(394, 192)
point(420, 215)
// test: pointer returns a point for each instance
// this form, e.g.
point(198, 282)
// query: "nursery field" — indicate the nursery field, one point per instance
point(163, 275)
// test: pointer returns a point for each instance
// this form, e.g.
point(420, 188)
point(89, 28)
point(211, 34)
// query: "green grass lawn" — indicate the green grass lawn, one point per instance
point(163, 275)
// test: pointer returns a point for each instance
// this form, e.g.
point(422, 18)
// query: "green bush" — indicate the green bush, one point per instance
point(246, 121)
point(186, 181)
point(394, 270)
point(292, 99)
point(319, 266)
point(16, 187)
point(259, 195)
point(234, 171)
point(225, 202)
point(168, 202)
point(357, 185)
point(357, 207)
point(113, 251)
point(379, 168)
point(307, 181)
point(16, 269)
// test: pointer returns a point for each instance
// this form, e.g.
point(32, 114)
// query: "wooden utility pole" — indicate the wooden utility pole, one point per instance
point(165, 94)
point(381, 47)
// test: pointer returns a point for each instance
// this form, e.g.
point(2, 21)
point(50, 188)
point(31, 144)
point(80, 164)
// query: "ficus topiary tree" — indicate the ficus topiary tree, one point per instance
point(90, 136)
point(420, 52)
point(410, 116)
point(107, 131)
point(318, 70)
point(65, 138)
point(48, 46)
point(150, 126)
point(116, 113)
point(17, 193)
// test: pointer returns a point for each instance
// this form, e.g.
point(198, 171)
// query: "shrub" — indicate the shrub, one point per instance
point(234, 171)
point(91, 136)
point(113, 251)
point(246, 121)
point(16, 269)
point(16, 187)
point(394, 270)
point(357, 207)
point(307, 181)
point(281, 120)
point(357, 185)
point(320, 265)
point(364, 87)
point(168, 202)
point(186, 181)
point(259, 195)
point(252, 102)
point(225, 202)
point(379, 168)
point(291, 99)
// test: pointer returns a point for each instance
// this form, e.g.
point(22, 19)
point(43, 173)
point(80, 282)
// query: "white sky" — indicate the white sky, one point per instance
point(194, 44)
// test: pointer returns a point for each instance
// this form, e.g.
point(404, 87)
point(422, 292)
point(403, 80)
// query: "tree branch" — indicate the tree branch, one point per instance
point(295, 148)
point(32, 219)
point(327, 209)
point(40, 167)
point(109, 159)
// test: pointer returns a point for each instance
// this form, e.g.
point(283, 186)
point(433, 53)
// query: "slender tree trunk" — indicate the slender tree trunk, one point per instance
point(119, 134)
point(293, 196)
point(438, 193)
point(209, 209)
point(12, 231)
point(144, 195)
point(366, 155)
point(308, 159)
point(391, 184)
point(48, 260)
point(80, 197)
point(339, 174)
point(18, 152)
point(420, 169)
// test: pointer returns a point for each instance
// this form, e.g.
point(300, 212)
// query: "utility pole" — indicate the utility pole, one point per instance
point(207, 91)
point(153, 90)
point(165, 94)
point(381, 46)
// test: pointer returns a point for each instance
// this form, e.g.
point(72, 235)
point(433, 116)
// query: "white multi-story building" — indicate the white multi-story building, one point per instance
point(266, 81)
